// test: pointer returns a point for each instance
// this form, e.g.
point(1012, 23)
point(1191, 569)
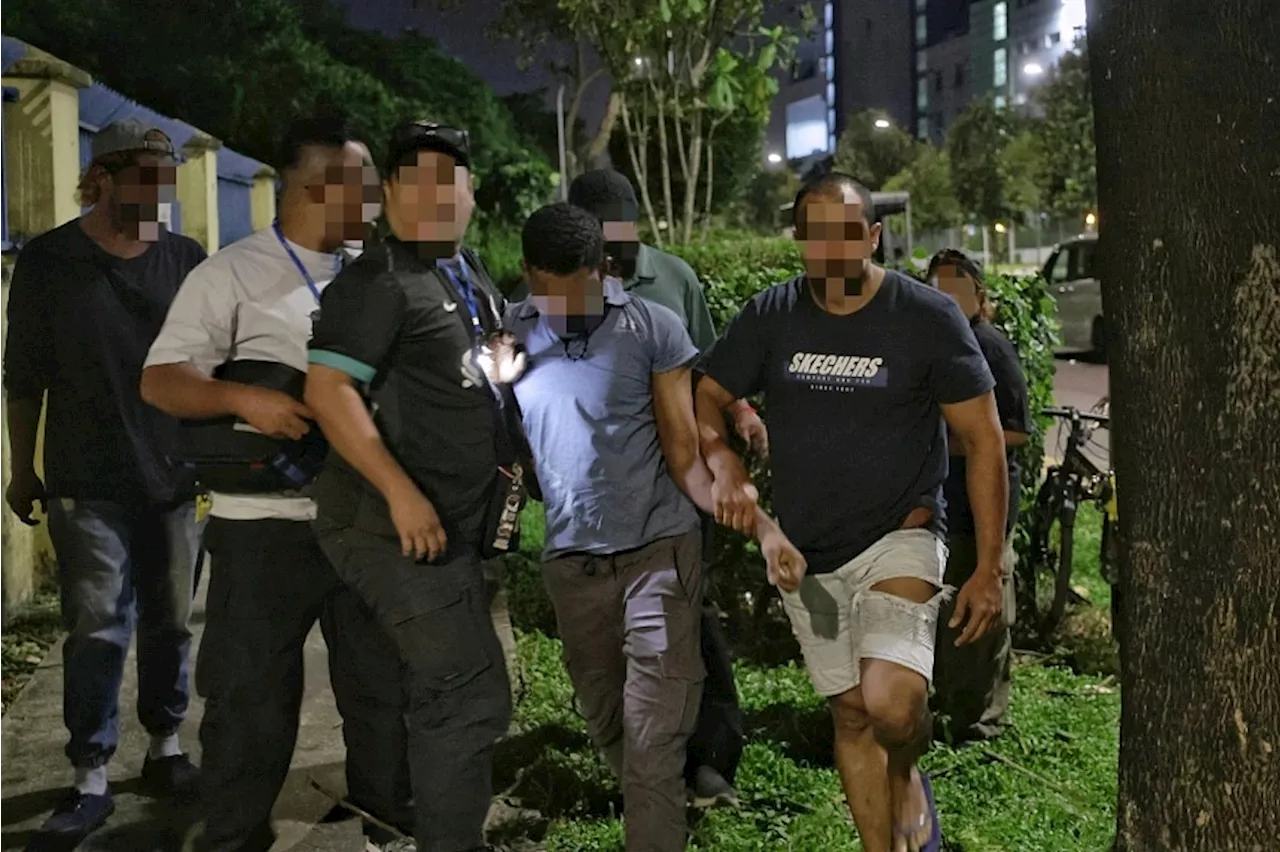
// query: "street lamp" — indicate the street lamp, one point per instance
point(882, 124)
point(775, 158)
point(1033, 69)
point(1000, 228)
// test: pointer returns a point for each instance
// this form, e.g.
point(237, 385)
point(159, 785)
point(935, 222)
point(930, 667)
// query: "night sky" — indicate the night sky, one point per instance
point(462, 34)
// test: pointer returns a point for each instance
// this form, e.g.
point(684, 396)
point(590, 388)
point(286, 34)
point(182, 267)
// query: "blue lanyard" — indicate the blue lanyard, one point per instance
point(467, 290)
point(302, 270)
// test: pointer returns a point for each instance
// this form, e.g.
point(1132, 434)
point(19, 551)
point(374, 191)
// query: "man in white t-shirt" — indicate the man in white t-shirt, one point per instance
point(269, 581)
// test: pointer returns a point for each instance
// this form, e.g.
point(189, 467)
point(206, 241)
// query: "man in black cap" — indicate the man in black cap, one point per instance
point(657, 276)
point(88, 299)
point(397, 383)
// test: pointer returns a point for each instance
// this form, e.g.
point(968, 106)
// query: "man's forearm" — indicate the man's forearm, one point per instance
point(987, 479)
point(180, 390)
point(24, 426)
point(695, 480)
point(350, 430)
point(713, 439)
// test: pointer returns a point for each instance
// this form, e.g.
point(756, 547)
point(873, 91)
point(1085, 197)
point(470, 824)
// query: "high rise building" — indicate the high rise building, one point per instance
point(997, 48)
point(919, 62)
point(857, 58)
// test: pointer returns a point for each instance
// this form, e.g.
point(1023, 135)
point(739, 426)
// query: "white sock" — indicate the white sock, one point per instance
point(166, 746)
point(92, 782)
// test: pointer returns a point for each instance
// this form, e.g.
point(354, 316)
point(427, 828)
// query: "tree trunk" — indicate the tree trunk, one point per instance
point(637, 143)
point(1187, 118)
point(664, 152)
point(594, 152)
point(711, 174)
point(691, 181)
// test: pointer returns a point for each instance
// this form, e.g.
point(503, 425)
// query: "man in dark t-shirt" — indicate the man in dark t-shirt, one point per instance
point(88, 299)
point(972, 682)
point(860, 366)
point(396, 383)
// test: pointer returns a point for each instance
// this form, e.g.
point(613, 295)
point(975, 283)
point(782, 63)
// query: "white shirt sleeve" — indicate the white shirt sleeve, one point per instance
point(200, 326)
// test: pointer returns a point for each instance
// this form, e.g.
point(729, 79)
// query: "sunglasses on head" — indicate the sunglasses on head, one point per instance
point(421, 134)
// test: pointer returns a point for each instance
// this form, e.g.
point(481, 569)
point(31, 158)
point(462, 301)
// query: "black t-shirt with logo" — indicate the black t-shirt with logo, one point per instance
point(396, 324)
point(80, 324)
point(1015, 416)
point(856, 435)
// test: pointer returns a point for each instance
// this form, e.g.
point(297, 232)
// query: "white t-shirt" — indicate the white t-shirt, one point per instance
point(247, 302)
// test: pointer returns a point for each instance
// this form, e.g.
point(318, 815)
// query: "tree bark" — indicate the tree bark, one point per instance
point(711, 174)
point(1187, 119)
point(594, 152)
point(637, 144)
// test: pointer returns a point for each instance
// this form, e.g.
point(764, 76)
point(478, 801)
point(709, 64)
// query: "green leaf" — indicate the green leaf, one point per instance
point(664, 11)
point(768, 56)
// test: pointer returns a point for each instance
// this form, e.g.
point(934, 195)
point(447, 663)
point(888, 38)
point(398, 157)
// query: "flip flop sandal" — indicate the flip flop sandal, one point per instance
point(934, 843)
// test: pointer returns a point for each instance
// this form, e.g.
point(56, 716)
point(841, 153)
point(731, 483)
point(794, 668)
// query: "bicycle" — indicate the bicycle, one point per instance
point(1044, 586)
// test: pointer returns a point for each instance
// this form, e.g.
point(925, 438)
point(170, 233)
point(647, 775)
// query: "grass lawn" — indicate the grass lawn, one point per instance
point(1048, 784)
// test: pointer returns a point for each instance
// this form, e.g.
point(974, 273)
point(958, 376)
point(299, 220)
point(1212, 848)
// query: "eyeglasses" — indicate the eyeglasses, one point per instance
point(429, 135)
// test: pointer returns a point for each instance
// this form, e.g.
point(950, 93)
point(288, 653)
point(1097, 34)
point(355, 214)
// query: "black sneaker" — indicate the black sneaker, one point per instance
point(173, 777)
point(75, 818)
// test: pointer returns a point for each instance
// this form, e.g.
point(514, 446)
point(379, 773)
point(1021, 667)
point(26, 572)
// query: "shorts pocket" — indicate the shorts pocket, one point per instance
point(441, 638)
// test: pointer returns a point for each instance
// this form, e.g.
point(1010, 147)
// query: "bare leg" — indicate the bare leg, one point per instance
point(896, 701)
point(863, 767)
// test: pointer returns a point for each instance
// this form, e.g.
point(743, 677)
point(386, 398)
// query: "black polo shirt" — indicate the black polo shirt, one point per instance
point(80, 324)
point(398, 325)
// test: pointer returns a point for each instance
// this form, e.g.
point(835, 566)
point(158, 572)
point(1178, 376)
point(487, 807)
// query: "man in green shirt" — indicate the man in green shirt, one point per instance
point(656, 276)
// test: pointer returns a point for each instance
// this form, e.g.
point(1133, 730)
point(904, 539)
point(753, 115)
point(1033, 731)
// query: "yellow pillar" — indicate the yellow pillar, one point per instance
point(262, 198)
point(42, 144)
point(42, 171)
point(198, 190)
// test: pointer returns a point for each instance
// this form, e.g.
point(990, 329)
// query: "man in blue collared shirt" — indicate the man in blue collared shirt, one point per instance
point(606, 403)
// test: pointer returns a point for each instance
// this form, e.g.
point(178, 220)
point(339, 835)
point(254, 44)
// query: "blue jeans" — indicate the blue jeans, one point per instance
point(121, 565)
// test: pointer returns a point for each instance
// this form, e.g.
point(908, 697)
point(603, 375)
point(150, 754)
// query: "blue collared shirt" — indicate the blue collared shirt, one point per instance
point(589, 414)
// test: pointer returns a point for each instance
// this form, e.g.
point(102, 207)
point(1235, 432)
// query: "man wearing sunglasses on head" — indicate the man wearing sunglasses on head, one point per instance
point(88, 298)
point(231, 360)
point(397, 383)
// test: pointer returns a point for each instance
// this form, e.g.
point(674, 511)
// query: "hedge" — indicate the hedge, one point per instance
point(732, 271)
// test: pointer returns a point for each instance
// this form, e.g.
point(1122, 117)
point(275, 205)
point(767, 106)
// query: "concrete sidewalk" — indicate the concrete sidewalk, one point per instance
point(35, 773)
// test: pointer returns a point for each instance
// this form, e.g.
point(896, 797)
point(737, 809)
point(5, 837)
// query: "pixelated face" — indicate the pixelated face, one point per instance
point(622, 245)
point(953, 281)
point(350, 193)
point(430, 200)
point(567, 302)
point(135, 191)
point(837, 242)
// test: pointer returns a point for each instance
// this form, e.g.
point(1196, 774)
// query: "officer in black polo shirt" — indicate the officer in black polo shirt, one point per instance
point(393, 382)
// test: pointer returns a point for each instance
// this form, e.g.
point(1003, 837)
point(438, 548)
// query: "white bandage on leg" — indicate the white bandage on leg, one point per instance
point(892, 628)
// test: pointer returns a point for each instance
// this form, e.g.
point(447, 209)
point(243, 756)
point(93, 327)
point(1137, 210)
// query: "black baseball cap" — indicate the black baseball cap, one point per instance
point(412, 136)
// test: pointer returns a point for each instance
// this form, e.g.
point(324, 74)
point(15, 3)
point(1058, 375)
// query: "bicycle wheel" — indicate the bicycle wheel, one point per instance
point(1046, 582)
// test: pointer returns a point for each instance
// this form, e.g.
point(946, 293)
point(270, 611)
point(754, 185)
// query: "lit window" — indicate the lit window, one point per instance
point(922, 93)
point(1000, 22)
point(831, 41)
point(1000, 67)
point(829, 15)
point(806, 127)
point(922, 29)
point(922, 61)
point(831, 94)
point(830, 64)
point(922, 127)
point(922, 5)
point(1001, 102)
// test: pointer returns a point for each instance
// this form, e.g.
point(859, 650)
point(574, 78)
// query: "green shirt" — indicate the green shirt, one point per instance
point(668, 281)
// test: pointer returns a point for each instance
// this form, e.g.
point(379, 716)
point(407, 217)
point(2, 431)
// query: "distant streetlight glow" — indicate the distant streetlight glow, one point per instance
point(1000, 228)
point(882, 123)
point(1033, 69)
point(775, 158)
point(639, 61)
point(1090, 220)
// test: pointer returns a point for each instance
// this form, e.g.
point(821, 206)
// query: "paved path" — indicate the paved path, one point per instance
point(35, 772)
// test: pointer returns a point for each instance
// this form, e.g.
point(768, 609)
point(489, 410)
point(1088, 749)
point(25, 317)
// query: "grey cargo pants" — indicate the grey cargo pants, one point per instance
point(630, 627)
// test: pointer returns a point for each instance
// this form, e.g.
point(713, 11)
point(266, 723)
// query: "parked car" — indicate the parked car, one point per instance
point(1075, 286)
